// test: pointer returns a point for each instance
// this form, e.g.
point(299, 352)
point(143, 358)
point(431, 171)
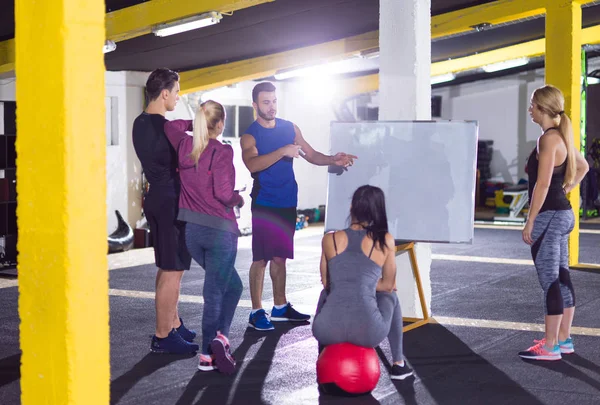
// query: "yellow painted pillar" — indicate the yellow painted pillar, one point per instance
point(61, 185)
point(563, 70)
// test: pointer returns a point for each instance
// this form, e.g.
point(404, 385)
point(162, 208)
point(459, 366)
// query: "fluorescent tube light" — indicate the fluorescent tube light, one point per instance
point(442, 78)
point(187, 24)
point(494, 67)
point(328, 69)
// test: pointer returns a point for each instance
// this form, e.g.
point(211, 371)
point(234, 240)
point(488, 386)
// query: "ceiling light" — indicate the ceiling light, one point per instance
point(109, 46)
point(333, 68)
point(481, 27)
point(443, 78)
point(508, 64)
point(370, 54)
point(187, 24)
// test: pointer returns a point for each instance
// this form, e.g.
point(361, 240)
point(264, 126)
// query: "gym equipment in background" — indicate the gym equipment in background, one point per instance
point(122, 238)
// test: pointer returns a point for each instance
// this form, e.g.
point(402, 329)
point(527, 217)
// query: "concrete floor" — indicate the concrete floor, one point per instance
point(486, 305)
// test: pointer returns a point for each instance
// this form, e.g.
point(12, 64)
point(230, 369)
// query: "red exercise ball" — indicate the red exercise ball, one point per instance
point(354, 369)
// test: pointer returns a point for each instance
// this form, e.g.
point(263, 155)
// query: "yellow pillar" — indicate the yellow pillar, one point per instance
point(61, 185)
point(563, 70)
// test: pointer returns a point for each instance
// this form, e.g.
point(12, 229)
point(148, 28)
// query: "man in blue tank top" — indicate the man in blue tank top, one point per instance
point(269, 147)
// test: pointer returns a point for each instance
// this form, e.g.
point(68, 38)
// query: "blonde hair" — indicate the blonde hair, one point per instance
point(209, 114)
point(551, 101)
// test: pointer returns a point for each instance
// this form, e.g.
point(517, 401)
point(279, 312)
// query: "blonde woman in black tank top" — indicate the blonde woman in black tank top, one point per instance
point(555, 167)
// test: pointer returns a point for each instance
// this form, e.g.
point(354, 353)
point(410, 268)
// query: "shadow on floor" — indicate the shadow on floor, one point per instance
point(566, 368)
point(10, 369)
point(149, 364)
point(448, 369)
point(246, 385)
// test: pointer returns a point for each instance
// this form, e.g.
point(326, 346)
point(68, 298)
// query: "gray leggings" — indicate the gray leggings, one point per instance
point(389, 324)
point(550, 253)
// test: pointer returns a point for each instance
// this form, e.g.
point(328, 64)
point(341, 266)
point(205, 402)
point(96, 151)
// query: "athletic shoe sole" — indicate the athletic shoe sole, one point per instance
point(567, 351)
point(257, 328)
point(401, 376)
point(548, 358)
point(207, 368)
point(225, 363)
point(164, 351)
point(279, 319)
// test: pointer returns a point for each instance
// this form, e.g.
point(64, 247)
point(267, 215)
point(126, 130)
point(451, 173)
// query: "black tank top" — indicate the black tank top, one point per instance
point(556, 198)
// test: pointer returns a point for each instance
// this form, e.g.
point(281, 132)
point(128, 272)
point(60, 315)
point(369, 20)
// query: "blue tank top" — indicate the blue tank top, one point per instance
point(276, 185)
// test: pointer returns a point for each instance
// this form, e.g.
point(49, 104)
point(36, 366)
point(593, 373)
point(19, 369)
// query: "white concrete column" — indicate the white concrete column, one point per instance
point(405, 94)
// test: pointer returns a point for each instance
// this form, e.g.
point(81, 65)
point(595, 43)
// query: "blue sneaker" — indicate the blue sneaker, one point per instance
point(185, 333)
point(566, 346)
point(172, 344)
point(259, 320)
point(288, 313)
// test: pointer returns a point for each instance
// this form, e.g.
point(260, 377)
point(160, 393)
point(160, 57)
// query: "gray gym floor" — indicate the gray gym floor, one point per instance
point(486, 304)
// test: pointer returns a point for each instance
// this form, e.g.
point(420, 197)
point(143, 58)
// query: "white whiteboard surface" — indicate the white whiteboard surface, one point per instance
point(426, 169)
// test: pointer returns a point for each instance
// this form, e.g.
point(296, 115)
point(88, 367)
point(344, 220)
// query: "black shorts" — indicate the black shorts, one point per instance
point(168, 234)
point(272, 232)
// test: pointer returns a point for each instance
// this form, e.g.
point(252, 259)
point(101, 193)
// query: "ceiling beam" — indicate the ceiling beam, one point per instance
point(590, 35)
point(498, 12)
point(369, 83)
point(7, 56)
point(495, 13)
point(134, 21)
point(138, 20)
point(530, 49)
point(264, 66)
point(527, 49)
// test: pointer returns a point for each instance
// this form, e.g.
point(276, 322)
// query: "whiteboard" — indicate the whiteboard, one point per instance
point(426, 169)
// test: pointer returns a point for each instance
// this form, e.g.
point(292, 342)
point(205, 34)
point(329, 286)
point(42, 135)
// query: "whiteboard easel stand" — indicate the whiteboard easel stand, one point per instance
point(415, 322)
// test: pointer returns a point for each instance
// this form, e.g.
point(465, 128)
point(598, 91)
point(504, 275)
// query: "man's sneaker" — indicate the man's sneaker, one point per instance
point(566, 346)
point(400, 372)
point(287, 313)
point(259, 320)
point(223, 358)
point(172, 344)
point(206, 363)
point(185, 333)
point(539, 351)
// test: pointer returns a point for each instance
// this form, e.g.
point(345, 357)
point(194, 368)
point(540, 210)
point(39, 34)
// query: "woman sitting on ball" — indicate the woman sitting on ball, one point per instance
point(358, 270)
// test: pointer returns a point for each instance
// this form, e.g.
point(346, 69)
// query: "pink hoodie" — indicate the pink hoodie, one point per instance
point(207, 190)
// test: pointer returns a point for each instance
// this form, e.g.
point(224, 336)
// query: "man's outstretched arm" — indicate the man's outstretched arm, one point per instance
point(319, 159)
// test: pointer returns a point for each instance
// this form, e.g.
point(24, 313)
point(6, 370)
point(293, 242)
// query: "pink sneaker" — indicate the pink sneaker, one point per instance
point(206, 363)
point(540, 351)
point(223, 358)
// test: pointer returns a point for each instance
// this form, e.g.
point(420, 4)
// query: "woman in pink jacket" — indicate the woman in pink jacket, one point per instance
point(206, 205)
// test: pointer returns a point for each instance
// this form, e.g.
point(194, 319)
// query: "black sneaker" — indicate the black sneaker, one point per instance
point(287, 313)
point(185, 333)
point(172, 344)
point(400, 372)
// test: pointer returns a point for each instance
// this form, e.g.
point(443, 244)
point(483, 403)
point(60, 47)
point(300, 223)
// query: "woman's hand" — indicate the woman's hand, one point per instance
point(527, 232)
